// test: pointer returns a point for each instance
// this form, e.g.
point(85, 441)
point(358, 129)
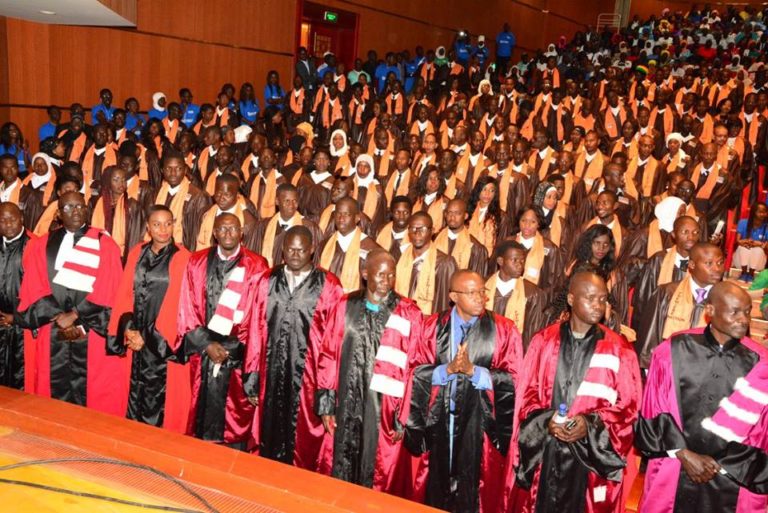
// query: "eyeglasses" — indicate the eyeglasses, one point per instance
point(68, 209)
point(419, 229)
point(472, 294)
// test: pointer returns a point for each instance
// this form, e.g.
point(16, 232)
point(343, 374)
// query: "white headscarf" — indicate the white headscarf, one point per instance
point(666, 212)
point(368, 180)
point(675, 136)
point(343, 150)
point(481, 84)
point(156, 99)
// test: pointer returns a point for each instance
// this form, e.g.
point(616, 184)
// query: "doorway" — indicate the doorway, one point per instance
point(328, 29)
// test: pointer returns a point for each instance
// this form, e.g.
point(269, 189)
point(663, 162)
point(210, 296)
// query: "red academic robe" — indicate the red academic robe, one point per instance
point(282, 319)
point(223, 393)
point(39, 302)
point(349, 336)
point(608, 395)
point(165, 334)
point(484, 426)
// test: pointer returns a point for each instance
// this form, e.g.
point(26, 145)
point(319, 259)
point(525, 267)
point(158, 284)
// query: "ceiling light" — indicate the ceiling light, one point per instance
point(49, 13)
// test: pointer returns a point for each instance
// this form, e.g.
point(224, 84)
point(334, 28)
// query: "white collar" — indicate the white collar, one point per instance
point(319, 178)
point(225, 258)
point(422, 126)
point(695, 286)
point(99, 151)
point(220, 111)
point(474, 158)
point(642, 162)
point(5, 194)
point(423, 256)
point(228, 211)
point(505, 287)
point(212, 151)
point(588, 157)
point(543, 153)
point(379, 152)
point(429, 198)
point(399, 235)
point(38, 180)
point(615, 110)
point(528, 243)
point(173, 190)
point(679, 259)
point(14, 239)
point(365, 182)
point(345, 240)
point(706, 170)
point(451, 235)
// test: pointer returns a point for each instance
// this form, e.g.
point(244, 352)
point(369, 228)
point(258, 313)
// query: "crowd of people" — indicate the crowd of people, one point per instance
point(480, 284)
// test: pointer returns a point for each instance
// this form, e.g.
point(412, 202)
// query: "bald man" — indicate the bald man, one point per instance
point(679, 305)
point(219, 287)
point(293, 306)
point(466, 380)
point(362, 379)
point(456, 241)
point(70, 280)
point(15, 240)
point(580, 370)
point(704, 419)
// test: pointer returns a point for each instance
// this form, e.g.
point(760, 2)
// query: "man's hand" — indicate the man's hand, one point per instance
point(716, 239)
point(461, 363)
point(700, 468)
point(576, 432)
point(70, 334)
point(6, 319)
point(329, 423)
point(254, 400)
point(65, 320)
point(216, 352)
point(397, 435)
point(133, 340)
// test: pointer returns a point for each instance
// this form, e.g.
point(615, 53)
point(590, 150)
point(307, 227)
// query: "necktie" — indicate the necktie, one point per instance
point(684, 264)
point(701, 295)
point(397, 182)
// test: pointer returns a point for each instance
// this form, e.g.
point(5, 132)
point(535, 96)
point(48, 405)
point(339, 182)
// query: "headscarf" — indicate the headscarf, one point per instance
point(481, 84)
point(343, 150)
point(538, 203)
point(666, 212)
point(364, 157)
point(306, 128)
point(675, 136)
point(156, 101)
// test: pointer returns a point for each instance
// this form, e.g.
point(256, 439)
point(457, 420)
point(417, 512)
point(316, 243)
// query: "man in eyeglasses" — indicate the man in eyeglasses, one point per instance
point(423, 271)
point(219, 288)
point(464, 384)
point(70, 278)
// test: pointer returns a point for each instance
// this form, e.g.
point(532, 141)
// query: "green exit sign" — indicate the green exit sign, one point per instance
point(331, 16)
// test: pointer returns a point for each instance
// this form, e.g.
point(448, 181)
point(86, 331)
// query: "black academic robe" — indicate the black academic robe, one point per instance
point(700, 396)
point(536, 301)
point(12, 337)
point(651, 321)
point(281, 368)
point(153, 278)
point(31, 204)
point(473, 480)
point(647, 283)
point(220, 410)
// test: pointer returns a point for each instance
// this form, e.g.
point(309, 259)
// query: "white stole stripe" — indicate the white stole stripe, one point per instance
point(605, 361)
point(82, 258)
point(75, 280)
point(392, 355)
point(220, 325)
point(721, 431)
point(738, 413)
point(750, 392)
point(387, 386)
point(399, 324)
point(229, 298)
point(598, 390)
point(90, 243)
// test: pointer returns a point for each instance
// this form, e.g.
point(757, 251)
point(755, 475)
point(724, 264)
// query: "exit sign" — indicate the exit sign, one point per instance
point(331, 16)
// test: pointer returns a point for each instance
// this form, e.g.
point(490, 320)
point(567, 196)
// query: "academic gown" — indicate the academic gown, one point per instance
point(31, 203)
point(156, 384)
point(536, 302)
point(196, 205)
point(381, 213)
point(361, 379)
point(597, 377)
point(259, 232)
point(636, 245)
point(220, 410)
point(12, 337)
point(472, 480)
point(76, 371)
point(651, 323)
point(337, 262)
point(710, 400)
point(647, 284)
point(314, 197)
point(281, 364)
point(478, 256)
point(445, 266)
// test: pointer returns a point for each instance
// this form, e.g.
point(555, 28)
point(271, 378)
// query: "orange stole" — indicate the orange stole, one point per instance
point(296, 101)
point(435, 210)
point(648, 176)
point(709, 185)
point(615, 229)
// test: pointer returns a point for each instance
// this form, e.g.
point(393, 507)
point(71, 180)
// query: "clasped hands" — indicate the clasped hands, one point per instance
point(568, 432)
point(460, 363)
point(65, 322)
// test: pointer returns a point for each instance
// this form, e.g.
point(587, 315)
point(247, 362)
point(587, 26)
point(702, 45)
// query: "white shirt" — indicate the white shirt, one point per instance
point(679, 260)
point(17, 237)
point(173, 190)
point(294, 280)
point(706, 171)
point(345, 240)
point(474, 158)
point(365, 182)
point(99, 151)
point(429, 198)
point(319, 178)
point(527, 243)
point(452, 235)
point(227, 258)
point(399, 235)
point(5, 194)
point(589, 158)
point(505, 287)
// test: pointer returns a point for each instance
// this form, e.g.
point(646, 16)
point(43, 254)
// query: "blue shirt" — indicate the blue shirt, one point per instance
point(249, 110)
point(759, 233)
point(132, 122)
point(481, 379)
point(46, 131)
point(481, 53)
point(381, 75)
point(273, 93)
point(190, 115)
point(505, 42)
point(19, 153)
point(322, 70)
point(462, 50)
point(157, 114)
point(108, 112)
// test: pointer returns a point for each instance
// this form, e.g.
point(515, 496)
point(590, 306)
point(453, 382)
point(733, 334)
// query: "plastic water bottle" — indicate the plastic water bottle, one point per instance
point(562, 414)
